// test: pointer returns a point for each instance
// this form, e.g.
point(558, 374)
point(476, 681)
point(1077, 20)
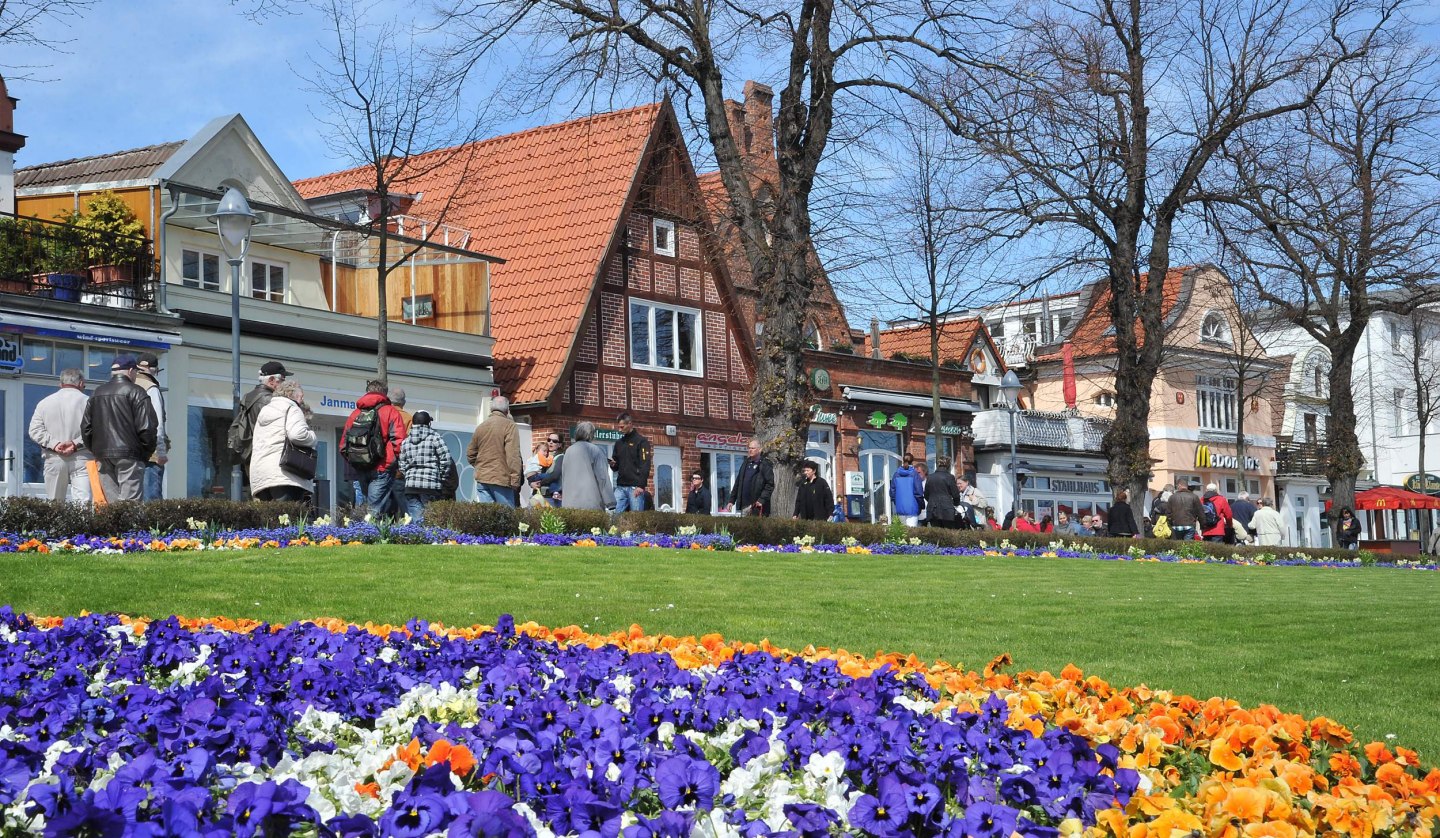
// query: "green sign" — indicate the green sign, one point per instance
point(820, 417)
point(601, 434)
point(1427, 483)
point(878, 419)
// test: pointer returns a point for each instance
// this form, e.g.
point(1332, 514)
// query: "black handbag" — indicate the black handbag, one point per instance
point(299, 460)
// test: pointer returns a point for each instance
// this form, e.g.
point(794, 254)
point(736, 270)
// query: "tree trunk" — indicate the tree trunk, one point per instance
point(782, 396)
point(937, 421)
point(1345, 458)
point(382, 281)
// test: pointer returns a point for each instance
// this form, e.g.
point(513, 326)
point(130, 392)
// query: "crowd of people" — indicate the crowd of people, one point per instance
point(112, 446)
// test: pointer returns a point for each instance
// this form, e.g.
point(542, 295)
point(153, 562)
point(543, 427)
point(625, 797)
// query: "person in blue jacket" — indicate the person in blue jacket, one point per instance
point(907, 492)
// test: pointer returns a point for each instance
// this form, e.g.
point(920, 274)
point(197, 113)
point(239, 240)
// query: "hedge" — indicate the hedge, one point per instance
point(38, 516)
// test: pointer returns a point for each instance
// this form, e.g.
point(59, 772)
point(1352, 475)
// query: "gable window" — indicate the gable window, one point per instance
point(1215, 401)
point(1214, 328)
point(1105, 399)
point(1402, 423)
point(267, 281)
point(664, 237)
point(812, 334)
point(664, 337)
point(199, 269)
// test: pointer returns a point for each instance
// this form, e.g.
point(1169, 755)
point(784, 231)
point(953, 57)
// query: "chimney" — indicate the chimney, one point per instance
point(875, 337)
point(10, 142)
point(760, 121)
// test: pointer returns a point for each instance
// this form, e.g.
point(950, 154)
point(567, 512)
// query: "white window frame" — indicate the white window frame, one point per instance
point(201, 255)
point(1402, 418)
point(270, 267)
point(1105, 399)
point(697, 351)
point(663, 228)
point(1215, 402)
point(735, 459)
point(1221, 331)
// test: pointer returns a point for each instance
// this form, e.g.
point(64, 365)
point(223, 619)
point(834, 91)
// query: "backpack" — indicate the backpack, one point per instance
point(1211, 518)
point(364, 444)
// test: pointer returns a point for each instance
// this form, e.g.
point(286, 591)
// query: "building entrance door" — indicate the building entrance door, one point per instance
point(12, 439)
point(879, 459)
point(668, 482)
point(821, 448)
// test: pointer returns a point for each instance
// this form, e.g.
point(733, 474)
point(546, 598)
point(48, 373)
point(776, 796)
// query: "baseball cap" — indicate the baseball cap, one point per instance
point(123, 362)
point(274, 368)
point(148, 362)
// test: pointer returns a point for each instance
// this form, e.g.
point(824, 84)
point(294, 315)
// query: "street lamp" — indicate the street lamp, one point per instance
point(233, 219)
point(1010, 389)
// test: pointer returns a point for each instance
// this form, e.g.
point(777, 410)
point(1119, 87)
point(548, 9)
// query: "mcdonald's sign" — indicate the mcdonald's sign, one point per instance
point(1207, 459)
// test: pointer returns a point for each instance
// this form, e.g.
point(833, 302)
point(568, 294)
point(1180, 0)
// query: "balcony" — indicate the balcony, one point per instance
point(1305, 458)
point(69, 264)
point(1018, 350)
point(1038, 429)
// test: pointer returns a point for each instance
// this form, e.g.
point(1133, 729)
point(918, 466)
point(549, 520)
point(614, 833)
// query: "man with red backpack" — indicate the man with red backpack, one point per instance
point(371, 445)
point(1217, 522)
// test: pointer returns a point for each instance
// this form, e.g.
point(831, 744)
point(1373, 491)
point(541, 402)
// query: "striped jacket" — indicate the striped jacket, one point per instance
point(424, 459)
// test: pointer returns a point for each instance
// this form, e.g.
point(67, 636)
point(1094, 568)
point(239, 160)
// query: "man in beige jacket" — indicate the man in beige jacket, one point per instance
point(494, 451)
point(55, 427)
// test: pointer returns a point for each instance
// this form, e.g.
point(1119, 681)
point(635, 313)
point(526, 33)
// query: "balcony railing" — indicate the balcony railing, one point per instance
point(1018, 350)
point(1040, 429)
point(1307, 458)
point(69, 264)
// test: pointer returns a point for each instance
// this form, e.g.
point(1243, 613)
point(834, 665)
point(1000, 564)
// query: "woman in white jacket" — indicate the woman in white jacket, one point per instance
point(286, 417)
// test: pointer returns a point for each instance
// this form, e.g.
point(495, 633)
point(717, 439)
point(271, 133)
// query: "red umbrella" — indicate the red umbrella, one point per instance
point(1068, 354)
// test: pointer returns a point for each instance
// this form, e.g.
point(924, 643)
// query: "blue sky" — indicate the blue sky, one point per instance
point(139, 72)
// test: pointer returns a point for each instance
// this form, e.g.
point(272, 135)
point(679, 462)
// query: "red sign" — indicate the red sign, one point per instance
point(722, 442)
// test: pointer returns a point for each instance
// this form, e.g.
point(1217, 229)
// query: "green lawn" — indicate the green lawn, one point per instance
point(1359, 645)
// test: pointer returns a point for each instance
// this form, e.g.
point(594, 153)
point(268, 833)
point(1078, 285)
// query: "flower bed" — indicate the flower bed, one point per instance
point(109, 726)
point(114, 725)
point(363, 532)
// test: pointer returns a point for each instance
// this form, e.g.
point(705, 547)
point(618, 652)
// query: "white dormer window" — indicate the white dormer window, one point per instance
point(1105, 399)
point(664, 237)
point(1214, 328)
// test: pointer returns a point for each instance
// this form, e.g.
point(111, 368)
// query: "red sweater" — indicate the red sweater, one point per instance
point(391, 422)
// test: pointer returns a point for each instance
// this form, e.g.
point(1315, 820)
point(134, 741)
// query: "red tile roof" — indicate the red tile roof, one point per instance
point(549, 201)
point(956, 336)
point(1093, 336)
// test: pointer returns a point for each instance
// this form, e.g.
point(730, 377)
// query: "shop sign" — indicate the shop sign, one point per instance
point(898, 421)
point(327, 400)
point(1077, 487)
point(951, 429)
point(11, 358)
point(820, 378)
point(1427, 483)
point(1205, 458)
point(722, 442)
point(820, 417)
point(854, 482)
point(86, 337)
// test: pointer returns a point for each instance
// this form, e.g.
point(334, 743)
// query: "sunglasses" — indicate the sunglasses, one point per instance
point(553, 441)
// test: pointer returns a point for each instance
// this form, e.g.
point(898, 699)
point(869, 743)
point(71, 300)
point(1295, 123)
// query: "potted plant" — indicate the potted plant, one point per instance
point(112, 238)
point(22, 252)
point(65, 258)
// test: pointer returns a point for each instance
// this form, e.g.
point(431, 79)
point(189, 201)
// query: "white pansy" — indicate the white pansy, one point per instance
point(665, 732)
point(388, 654)
point(917, 705)
point(623, 684)
point(57, 749)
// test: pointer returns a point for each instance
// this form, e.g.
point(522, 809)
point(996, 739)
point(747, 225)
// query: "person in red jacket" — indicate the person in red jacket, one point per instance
point(1224, 529)
point(1024, 523)
point(371, 445)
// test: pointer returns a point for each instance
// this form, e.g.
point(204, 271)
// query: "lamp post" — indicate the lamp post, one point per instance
point(233, 219)
point(1010, 388)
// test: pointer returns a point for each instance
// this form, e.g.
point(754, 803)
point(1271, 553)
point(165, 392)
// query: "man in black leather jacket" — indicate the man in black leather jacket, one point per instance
point(120, 429)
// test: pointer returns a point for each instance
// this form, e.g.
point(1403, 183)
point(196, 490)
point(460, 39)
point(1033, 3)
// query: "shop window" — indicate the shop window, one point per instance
point(199, 269)
point(267, 281)
point(724, 465)
point(664, 237)
point(209, 462)
point(664, 338)
point(98, 361)
point(948, 446)
point(33, 470)
point(1215, 402)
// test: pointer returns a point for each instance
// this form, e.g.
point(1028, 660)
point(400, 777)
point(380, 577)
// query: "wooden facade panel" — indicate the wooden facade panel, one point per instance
point(460, 292)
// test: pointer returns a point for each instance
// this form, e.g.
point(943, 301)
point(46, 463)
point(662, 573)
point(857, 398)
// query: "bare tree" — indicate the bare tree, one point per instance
point(821, 50)
point(396, 110)
point(1333, 217)
point(919, 239)
point(1102, 115)
point(36, 24)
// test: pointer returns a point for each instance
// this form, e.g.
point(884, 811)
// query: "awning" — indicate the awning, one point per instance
point(898, 398)
point(1386, 498)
